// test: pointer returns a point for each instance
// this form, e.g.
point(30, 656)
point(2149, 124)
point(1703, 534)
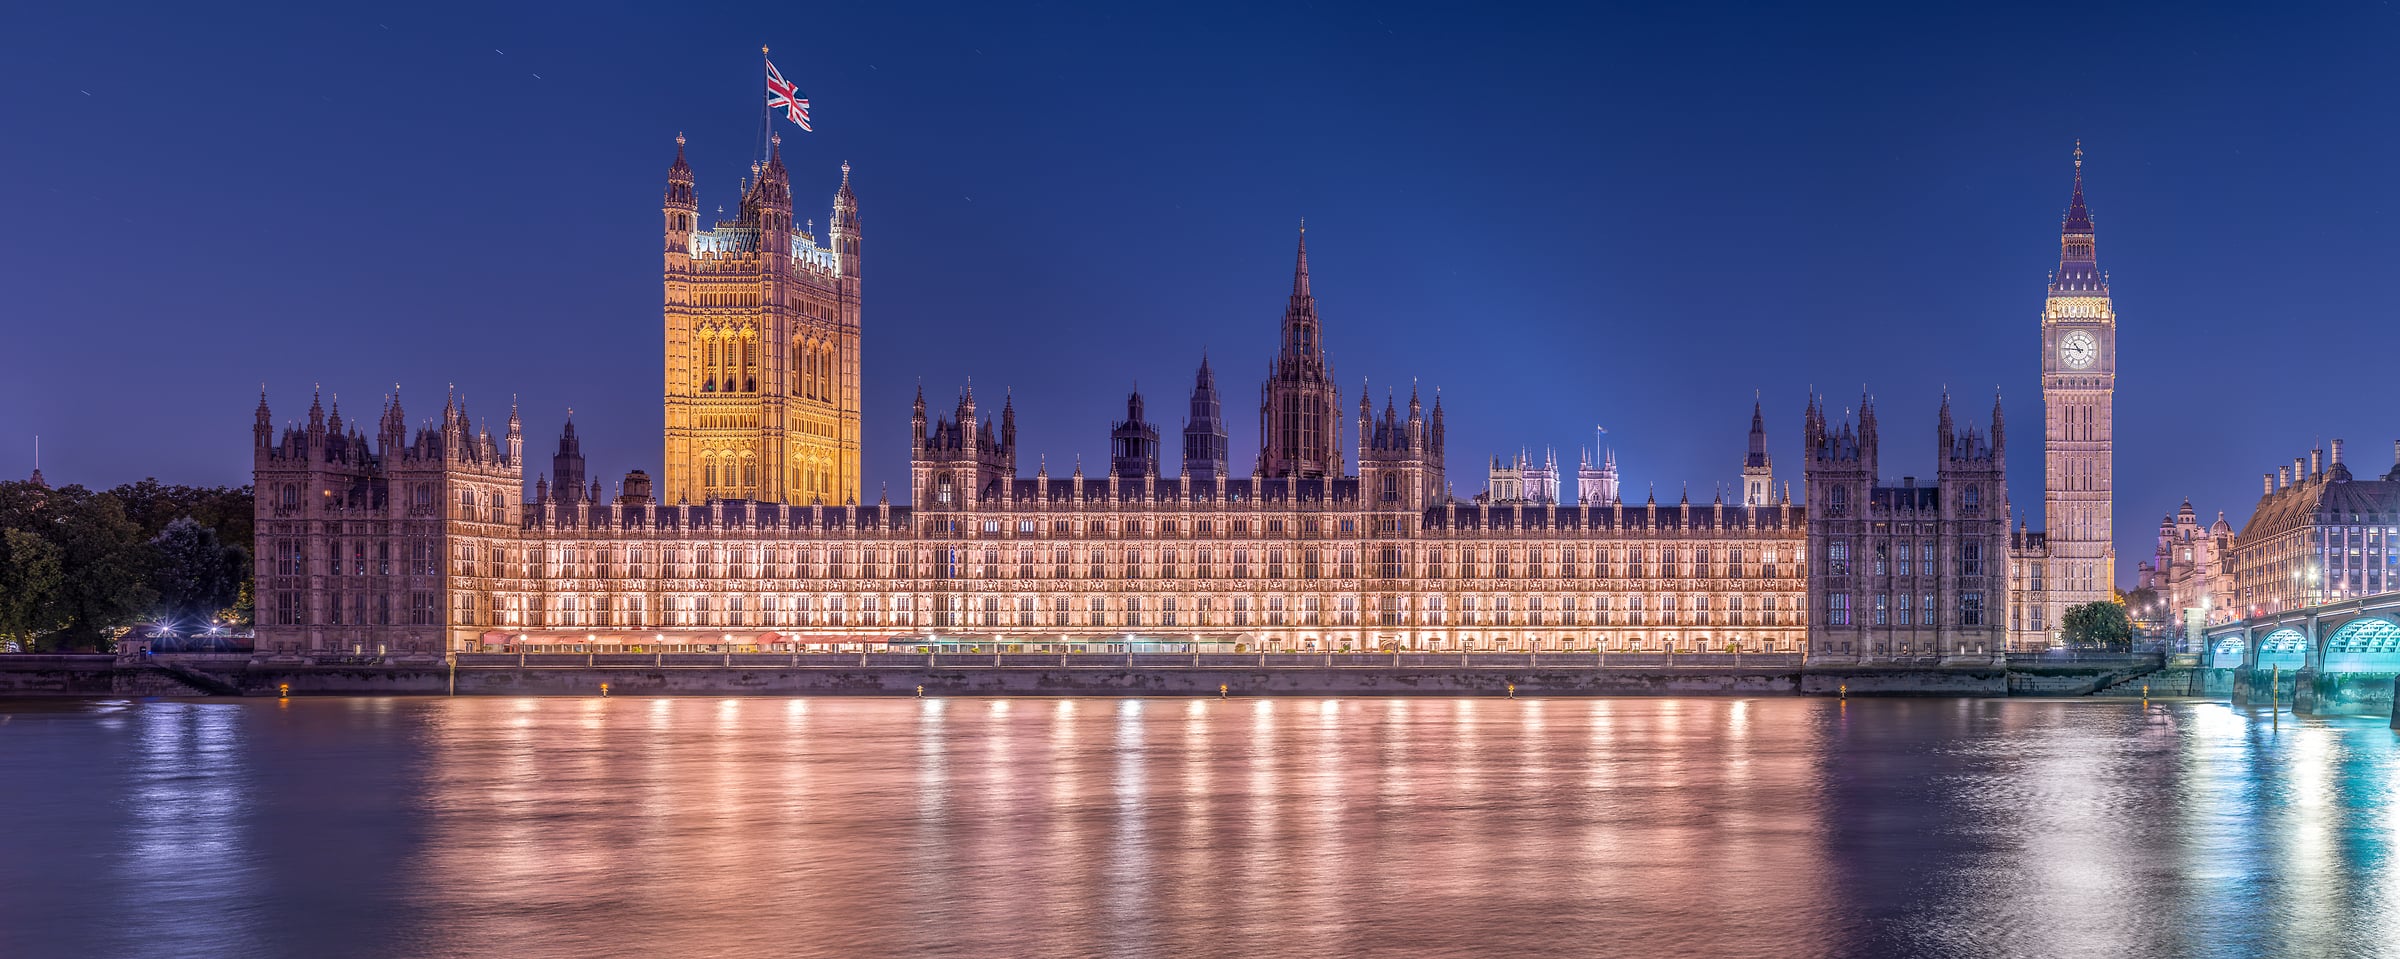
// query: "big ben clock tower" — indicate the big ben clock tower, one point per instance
point(2079, 379)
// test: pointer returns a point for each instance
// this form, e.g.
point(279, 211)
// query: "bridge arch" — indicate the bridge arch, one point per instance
point(2366, 645)
point(2286, 647)
point(2227, 653)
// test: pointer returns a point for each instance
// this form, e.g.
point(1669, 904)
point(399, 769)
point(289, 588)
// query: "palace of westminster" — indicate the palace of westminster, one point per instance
point(1340, 534)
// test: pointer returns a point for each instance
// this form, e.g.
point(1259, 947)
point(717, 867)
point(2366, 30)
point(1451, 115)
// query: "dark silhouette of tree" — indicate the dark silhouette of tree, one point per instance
point(197, 578)
point(2098, 625)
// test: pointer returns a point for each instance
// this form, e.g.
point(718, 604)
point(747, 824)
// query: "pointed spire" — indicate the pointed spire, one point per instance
point(1758, 434)
point(680, 194)
point(2079, 219)
point(1300, 265)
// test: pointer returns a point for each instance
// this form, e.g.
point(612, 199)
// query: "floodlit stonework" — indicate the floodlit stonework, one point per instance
point(2071, 560)
point(1299, 554)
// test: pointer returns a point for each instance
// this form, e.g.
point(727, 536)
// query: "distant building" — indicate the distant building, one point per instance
point(2318, 534)
point(1596, 477)
point(1523, 479)
point(2191, 571)
point(1907, 573)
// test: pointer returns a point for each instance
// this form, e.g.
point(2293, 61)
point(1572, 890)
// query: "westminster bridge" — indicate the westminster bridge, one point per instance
point(2334, 657)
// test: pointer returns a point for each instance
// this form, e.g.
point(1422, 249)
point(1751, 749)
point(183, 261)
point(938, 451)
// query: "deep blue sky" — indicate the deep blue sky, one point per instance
point(1563, 217)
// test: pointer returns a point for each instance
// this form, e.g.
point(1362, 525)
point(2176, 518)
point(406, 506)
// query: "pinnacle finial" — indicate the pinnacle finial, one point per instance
point(776, 139)
point(2078, 154)
point(678, 138)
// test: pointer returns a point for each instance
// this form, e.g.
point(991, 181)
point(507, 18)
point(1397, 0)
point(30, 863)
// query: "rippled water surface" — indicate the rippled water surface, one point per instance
point(1342, 827)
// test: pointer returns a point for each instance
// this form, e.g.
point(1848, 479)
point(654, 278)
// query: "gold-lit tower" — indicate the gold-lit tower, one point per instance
point(762, 348)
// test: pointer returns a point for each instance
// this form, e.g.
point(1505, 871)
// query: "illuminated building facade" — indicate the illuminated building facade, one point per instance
point(2071, 561)
point(2191, 571)
point(762, 341)
point(1299, 554)
point(383, 547)
point(1906, 574)
point(2319, 534)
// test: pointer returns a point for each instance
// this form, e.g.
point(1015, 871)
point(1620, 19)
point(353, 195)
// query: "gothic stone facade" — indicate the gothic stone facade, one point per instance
point(2071, 561)
point(379, 548)
point(1298, 555)
point(762, 341)
point(1905, 574)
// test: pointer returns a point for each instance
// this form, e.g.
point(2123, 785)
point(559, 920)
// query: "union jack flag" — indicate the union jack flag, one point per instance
point(786, 94)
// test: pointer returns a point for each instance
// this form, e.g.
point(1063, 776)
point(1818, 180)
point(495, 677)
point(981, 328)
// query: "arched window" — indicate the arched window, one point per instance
point(291, 496)
point(708, 472)
point(1974, 497)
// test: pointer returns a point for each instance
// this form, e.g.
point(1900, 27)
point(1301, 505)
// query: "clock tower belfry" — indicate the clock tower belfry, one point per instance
point(2079, 379)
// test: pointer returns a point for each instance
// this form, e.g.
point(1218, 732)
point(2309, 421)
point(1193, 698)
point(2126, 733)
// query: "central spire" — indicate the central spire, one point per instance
point(2079, 220)
point(2078, 260)
point(1299, 412)
point(1300, 267)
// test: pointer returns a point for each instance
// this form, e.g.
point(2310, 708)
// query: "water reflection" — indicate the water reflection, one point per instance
point(1460, 827)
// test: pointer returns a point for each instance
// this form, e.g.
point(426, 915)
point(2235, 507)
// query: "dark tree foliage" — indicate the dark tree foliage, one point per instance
point(152, 505)
point(32, 606)
point(78, 566)
point(2099, 625)
point(197, 578)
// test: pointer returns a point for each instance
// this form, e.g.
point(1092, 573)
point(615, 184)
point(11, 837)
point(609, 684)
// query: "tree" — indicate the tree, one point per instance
point(31, 576)
point(2098, 625)
point(152, 505)
point(107, 565)
point(197, 578)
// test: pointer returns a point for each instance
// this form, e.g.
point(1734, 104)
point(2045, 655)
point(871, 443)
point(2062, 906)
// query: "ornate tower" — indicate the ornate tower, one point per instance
point(1133, 444)
point(762, 346)
point(1758, 469)
point(1299, 424)
point(566, 467)
point(1204, 453)
point(1596, 479)
point(2079, 376)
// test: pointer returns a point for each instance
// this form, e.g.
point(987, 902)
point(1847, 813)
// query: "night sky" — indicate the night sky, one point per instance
point(1562, 218)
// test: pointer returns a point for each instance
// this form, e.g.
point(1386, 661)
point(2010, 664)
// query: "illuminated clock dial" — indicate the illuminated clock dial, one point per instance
point(2077, 350)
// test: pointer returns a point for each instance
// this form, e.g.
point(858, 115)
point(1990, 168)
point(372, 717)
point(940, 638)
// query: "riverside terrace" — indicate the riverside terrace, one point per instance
point(137, 672)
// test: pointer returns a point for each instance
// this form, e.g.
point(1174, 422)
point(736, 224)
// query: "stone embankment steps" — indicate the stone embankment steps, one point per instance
point(202, 684)
point(2162, 681)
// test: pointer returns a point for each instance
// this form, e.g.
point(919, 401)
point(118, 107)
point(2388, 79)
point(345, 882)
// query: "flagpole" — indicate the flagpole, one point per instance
point(766, 117)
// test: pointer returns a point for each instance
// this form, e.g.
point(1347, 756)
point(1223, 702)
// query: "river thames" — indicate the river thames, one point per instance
point(1337, 827)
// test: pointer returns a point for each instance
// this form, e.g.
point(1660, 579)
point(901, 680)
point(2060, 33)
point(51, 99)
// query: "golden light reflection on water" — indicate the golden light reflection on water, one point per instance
point(1446, 827)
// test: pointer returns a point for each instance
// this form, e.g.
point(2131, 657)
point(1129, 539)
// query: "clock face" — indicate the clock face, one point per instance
point(2077, 350)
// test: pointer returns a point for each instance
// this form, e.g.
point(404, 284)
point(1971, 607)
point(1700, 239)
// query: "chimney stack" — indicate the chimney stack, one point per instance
point(2316, 462)
point(2283, 477)
point(2299, 470)
point(2335, 457)
point(2266, 484)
